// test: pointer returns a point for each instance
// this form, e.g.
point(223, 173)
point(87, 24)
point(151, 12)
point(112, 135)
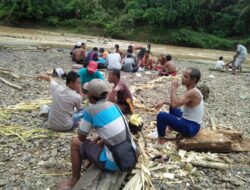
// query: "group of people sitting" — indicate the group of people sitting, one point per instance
point(106, 109)
point(128, 62)
point(238, 59)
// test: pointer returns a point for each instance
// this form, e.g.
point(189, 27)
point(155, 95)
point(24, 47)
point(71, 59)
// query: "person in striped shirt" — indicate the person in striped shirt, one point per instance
point(106, 118)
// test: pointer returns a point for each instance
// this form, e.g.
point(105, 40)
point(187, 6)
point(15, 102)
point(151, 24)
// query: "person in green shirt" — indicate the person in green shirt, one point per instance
point(89, 73)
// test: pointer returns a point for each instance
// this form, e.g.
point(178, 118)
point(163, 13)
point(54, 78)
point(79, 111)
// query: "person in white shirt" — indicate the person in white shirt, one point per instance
point(187, 120)
point(241, 56)
point(220, 63)
point(66, 109)
point(114, 61)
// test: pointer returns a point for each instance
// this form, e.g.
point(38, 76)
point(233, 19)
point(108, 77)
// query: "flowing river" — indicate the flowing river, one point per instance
point(20, 37)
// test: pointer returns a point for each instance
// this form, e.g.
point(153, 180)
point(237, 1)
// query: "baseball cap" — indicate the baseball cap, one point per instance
point(97, 87)
point(92, 66)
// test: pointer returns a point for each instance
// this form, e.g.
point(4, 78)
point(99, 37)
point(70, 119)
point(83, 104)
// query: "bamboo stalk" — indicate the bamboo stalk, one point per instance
point(214, 165)
point(10, 74)
point(10, 84)
point(3, 69)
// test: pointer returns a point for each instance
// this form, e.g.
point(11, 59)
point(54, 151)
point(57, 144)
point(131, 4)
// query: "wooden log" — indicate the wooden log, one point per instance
point(211, 140)
point(3, 69)
point(226, 71)
point(206, 164)
point(94, 179)
point(10, 74)
point(10, 84)
point(241, 146)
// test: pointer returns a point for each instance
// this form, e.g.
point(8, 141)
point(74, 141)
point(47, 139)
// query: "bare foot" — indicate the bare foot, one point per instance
point(66, 184)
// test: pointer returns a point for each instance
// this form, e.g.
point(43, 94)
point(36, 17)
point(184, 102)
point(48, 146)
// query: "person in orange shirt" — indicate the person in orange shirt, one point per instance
point(103, 53)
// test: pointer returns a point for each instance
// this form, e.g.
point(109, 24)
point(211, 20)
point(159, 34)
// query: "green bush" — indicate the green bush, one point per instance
point(186, 37)
point(53, 21)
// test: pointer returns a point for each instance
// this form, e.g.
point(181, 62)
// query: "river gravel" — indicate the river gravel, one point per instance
point(33, 164)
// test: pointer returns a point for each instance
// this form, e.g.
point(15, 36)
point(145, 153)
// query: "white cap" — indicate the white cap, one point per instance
point(78, 44)
point(85, 86)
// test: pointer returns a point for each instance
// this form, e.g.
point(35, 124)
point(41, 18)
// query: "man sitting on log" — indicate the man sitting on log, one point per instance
point(120, 94)
point(62, 115)
point(106, 118)
point(188, 120)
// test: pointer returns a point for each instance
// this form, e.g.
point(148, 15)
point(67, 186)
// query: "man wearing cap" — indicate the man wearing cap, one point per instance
point(107, 120)
point(89, 73)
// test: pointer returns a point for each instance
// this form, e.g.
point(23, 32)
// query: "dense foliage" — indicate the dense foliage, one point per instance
point(198, 23)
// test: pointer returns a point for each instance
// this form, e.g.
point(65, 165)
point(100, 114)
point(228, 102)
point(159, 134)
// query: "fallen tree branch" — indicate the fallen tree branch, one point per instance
point(10, 84)
point(214, 165)
point(10, 74)
point(3, 69)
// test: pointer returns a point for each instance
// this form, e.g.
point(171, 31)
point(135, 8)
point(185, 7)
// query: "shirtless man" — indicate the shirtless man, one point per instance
point(147, 61)
point(188, 120)
point(78, 54)
point(168, 68)
point(161, 62)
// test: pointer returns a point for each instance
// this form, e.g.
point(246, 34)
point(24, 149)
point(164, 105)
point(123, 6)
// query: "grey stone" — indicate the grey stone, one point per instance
point(54, 152)
point(45, 157)
point(3, 182)
point(197, 187)
point(32, 161)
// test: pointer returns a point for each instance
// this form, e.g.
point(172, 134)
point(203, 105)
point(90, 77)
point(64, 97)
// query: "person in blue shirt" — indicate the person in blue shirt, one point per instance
point(107, 121)
point(89, 73)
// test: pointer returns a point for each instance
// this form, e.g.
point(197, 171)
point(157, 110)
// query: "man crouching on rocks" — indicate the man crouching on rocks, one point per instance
point(109, 123)
point(188, 120)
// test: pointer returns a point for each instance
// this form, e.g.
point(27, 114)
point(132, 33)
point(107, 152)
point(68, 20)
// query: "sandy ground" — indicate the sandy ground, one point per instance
point(41, 163)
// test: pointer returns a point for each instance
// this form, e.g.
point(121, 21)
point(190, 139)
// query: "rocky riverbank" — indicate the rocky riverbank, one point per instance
point(41, 163)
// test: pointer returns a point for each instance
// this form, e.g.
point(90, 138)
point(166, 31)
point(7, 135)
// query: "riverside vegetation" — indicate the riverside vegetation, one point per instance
point(193, 23)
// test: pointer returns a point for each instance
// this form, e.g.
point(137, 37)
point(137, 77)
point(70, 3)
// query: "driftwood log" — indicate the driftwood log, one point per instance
point(9, 73)
point(94, 179)
point(226, 71)
point(207, 164)
point(219, 140)
point(10, 84)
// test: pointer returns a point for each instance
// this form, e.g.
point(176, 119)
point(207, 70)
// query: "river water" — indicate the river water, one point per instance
point(10, 36)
